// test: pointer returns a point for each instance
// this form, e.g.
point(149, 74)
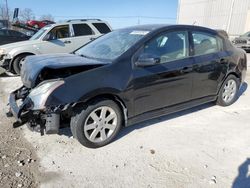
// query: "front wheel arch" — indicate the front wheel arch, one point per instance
point(77, 120)
point(11, 68)
point(112, 97)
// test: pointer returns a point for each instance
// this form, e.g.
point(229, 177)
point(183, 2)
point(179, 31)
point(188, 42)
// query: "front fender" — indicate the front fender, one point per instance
point(61, 97)
point(86, 85)
point(21, 50)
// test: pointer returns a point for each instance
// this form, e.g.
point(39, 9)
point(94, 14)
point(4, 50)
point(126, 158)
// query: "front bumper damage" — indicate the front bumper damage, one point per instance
point(5, 62)
point(46, 120)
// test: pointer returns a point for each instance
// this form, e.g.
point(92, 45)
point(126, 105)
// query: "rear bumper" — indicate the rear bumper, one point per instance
point(243, 75)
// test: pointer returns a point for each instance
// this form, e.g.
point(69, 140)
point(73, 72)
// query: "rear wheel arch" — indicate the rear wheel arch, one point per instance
point(237, 75)
point(229, 90)
point(225, 78)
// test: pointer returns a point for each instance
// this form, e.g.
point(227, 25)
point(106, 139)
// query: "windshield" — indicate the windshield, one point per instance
point(111, 45)
point(38, 34)
point(246, 34)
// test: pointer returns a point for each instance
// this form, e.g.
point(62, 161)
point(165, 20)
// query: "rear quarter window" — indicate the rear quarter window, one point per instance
point(102, 28)
point(205, 43)
point(82, 30)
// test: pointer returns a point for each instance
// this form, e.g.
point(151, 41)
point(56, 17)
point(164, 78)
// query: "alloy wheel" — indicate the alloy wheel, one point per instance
point(229, 91)
point(21, 63)
point(100, 124)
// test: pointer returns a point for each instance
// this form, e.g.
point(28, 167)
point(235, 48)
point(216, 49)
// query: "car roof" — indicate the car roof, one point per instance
point(154, 27)
point(79, 21)
point(5, 29)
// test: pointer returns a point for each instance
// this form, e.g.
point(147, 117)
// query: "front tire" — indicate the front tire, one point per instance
point(17, 63)
point(98, 124)
point(229, 91)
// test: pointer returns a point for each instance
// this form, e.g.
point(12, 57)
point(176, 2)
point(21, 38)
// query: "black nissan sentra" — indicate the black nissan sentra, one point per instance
point(127, 76)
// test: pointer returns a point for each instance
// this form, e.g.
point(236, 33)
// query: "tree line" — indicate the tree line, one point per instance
point(26, 14)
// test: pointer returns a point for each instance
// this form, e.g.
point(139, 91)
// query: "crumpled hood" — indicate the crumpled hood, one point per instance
point(33, 65)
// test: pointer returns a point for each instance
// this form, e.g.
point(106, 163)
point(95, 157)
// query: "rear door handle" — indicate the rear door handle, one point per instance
point(67, 42)
point(187, 69)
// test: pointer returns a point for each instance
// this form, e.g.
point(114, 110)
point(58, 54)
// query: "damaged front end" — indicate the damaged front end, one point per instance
point(28, 106)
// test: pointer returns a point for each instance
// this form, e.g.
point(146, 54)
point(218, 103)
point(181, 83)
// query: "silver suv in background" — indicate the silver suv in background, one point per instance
point(243, 41)
point(56, 38)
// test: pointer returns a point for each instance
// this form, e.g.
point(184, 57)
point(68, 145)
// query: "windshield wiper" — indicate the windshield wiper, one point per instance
point(86, 56)
point(80, 55)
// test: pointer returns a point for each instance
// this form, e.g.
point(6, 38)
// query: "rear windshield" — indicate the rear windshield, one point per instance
point(102, 27)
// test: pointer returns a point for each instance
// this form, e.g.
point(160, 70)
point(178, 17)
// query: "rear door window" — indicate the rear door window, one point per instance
point(82, 30)
point(205, 43)
point(15, 33)
point(102, 28)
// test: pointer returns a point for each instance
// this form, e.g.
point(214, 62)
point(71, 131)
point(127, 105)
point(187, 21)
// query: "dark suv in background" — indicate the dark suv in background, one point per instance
point(9, 36)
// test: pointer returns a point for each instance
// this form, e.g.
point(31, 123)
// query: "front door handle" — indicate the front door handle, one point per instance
point(187, 70)
point(67, 42)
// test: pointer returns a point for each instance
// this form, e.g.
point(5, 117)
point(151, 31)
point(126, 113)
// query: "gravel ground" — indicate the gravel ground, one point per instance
point(207, 146)
point(18, 160)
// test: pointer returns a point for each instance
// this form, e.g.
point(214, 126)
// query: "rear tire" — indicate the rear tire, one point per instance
point(229, 91)
point(17, 63)
point(98, 124)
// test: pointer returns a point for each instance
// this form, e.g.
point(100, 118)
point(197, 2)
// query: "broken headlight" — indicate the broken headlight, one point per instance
point(40, 94)
point(2, 51)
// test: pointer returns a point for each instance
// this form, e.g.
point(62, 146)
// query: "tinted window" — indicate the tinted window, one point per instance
point(3, 33)
point(82, 29)
point(15, 33)
point(205, 43)
point(168, 47)
point(102, 27)
point(60, 32)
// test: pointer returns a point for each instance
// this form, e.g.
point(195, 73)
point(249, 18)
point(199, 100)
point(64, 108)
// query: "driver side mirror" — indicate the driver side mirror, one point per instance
point(146, 60)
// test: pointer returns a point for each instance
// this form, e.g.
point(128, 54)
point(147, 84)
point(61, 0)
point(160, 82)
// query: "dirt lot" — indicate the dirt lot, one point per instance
point(207, 146)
